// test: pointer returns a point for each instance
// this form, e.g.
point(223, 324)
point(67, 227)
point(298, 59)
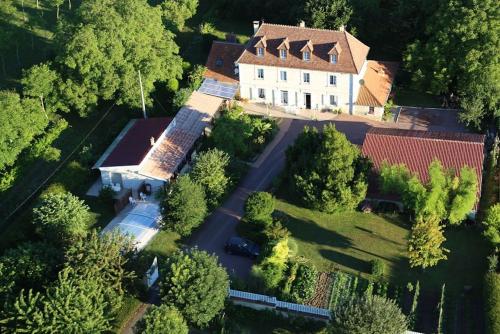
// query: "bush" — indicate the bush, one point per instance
point(304, 285)
point(370, 314)
point(43, 143)
point(173, 85)
point(106, 194)
point(196, 76)
point(269, 273)
point(259, 207)
point(180, 98)
point(378, 268)
point(184, 207)
point(492, 302)
point(7, 178)
point(492, 224)
point(162, 319)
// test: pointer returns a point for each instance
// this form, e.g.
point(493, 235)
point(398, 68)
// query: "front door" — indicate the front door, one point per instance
point(307, 99)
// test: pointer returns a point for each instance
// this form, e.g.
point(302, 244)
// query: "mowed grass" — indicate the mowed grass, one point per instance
point(345, 241)
point(349, 241)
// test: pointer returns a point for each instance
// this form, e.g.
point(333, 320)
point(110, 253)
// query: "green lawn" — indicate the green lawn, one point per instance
point(349, 241)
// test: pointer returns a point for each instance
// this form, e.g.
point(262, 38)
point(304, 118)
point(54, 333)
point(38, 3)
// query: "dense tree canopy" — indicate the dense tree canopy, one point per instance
point(20, 121)
point(210, 171)
point(459, 54)
point(176, 12)
point(62, 217)
point(326, 170)
point(373, 314)
point(41, 82)
point(162, 319)
point(106, 45)
point(196, 284)
point(184, 207)
point(259, 207)
point(327, 14)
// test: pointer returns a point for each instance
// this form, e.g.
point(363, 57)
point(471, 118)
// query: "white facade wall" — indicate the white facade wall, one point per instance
point(364, 111)
point(130, 178)
point(319, 87)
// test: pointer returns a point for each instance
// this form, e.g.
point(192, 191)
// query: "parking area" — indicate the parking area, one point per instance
point(434, 119)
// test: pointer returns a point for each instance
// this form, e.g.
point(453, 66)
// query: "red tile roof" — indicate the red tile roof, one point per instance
point(351, 58)
point(220, 62)
point(135, 144)
point(377, 83)
point(417, 149)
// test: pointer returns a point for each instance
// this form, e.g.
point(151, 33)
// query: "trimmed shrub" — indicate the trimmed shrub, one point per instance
point(162, 319)
point(180, 98)
point(492, 302)
point(259, 207)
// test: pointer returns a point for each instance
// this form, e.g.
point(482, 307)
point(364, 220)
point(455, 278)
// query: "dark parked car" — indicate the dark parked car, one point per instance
point(241, 246)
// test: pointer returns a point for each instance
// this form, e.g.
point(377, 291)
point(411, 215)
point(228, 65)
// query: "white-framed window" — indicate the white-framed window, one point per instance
point(371, 110)
point(262, 93)
point(284, 97)
point(333, 59)
point(260, 73)
point(283, 75)
point(332, 80)
point(283, 53)
point(306, 55)
point(306, 77)
point(333, 100)
point(260, 52)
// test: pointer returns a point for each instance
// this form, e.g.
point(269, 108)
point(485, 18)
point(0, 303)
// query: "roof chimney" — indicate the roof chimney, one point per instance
point(302, 24)
point(342, 28)
point(152, 141)
point(256, 25)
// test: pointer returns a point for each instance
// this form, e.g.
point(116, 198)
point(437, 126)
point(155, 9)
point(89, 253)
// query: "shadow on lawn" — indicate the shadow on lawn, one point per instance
point(346, 260)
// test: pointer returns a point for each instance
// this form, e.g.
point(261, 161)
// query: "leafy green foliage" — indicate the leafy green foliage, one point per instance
point(20, 121)
point(259, 207)
point(424, 247)
point(176, 12)
point(304, 284)
point(458, 53)
point(444, 196)
point(181, 97)
point(106, 45)
point(196, 284)
point(492, 302)
point(210, 171)
point(492, 224)
point(269, 273)
point(327, 14)
point(41, 147)
point(162, 319)
point(372, 314)
point(40, 81)
point(378, 268)
point(326, 170)
point(184, 207)
point(241, 135)
point(196, 76)
point(62, 217)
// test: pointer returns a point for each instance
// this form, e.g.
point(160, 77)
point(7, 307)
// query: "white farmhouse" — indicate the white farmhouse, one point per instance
point(303, 68)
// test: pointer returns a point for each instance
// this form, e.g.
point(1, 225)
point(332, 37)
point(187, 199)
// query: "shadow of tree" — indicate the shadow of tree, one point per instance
point(346, 260)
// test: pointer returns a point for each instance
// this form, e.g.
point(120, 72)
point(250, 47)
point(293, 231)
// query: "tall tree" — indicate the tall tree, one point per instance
point(425, 245)
point(327, 14)
point(106, 45)
point(176, 12)
point(62, 217)
point(20, 121)
point(463, 195)
point(326, 170)
point(196, 284)
point(492, 224)
point(459, 54)
point(184, 207)
point(162, 319)
point(210, 169)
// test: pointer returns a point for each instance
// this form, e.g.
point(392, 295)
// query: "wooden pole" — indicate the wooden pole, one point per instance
point(142, 97)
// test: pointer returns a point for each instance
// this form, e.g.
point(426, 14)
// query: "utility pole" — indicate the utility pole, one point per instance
point(142, 97)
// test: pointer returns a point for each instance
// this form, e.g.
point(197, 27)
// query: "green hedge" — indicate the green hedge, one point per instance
point(492, 302)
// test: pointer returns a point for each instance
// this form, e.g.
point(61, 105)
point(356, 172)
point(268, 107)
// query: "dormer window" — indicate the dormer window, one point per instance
point(335, 53)
point(306, 55)
point(260, 46)
point(333, 59)
point(260, 52)
point(283, 54)
point(307, 50)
